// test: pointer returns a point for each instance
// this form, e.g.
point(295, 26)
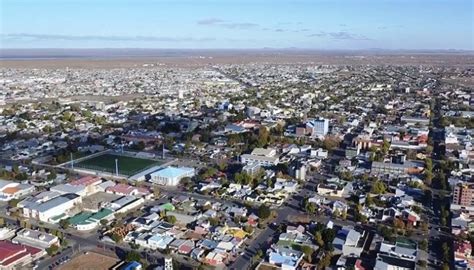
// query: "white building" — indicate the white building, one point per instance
point(261, 156)
point(45, 211)
point(171, 176)
point(35, 238)
point(319, 127)
point(12, 190)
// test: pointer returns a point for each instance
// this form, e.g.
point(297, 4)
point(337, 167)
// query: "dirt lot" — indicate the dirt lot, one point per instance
point(90, 261)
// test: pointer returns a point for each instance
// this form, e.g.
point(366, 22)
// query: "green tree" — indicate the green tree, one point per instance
point(133, 256)
point(171, 219)
point(378, 187)
point(52, 250)
point(308, 252)
point(13, 203)
point(385, 146)
point(64, 223)
point(263, 136)
point(264, 211)
point(116, 237)
point(423, 244)
point(319, 239)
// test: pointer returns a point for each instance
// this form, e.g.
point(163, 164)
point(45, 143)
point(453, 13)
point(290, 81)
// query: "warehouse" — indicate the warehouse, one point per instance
point(171, 176)
point(51, 208)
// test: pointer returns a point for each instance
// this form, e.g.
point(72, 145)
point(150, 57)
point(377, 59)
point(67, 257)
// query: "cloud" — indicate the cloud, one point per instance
point(239, 25)
point(210, 21)
point(226, 24)
point(340, 35)
point(280, 30)
point(27, 36)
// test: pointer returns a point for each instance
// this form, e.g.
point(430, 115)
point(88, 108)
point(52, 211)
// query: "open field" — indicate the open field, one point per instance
point(127, 165)
point(152, 58)
point(90, 261)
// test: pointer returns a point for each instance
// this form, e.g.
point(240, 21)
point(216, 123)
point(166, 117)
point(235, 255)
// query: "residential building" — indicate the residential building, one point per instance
point(261, 156)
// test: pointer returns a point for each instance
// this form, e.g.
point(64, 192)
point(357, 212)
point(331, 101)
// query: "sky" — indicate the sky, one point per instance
point(232, 24)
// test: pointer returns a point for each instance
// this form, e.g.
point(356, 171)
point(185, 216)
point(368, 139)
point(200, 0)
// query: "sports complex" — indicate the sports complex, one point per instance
point(128, 164)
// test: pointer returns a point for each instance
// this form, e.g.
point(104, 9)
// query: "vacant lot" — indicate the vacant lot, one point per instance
point(126, 165)
point(90, 261)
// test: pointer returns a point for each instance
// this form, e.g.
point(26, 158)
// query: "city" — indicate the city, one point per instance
point(114, 156)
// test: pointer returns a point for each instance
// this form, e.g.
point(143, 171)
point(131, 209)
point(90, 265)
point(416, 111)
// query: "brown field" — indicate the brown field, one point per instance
point(90, 261)
point(197, 59)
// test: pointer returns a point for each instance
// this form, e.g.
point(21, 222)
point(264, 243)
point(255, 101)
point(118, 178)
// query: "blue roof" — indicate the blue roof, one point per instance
point(172, 172)
point(132, 266)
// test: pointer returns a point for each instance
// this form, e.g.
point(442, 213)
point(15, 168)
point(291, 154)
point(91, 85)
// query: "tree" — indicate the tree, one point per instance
point(133, 256)
point(52, 250)
point(325, 261)
point(378, 187)
point(310, 208)
point(13, 203)
point(263, 136)
point(428, 164)
point(319, 239)
point(445, 250)
point(264, 211)
point(116, 237)
point(329, 143)
point(170, 219)
point(308, 252)
point(64, 223)
point(213, 221)
point(104, 222)
point(385, 146)
point(423, 244)
point(398, 223)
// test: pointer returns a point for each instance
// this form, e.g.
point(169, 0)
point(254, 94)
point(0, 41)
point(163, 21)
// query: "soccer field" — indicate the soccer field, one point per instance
point(127, 165)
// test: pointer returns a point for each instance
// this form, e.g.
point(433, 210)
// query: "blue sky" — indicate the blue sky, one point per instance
point(312, 24)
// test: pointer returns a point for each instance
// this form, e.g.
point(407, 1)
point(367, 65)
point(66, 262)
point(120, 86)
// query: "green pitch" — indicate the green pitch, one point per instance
point(127, 165)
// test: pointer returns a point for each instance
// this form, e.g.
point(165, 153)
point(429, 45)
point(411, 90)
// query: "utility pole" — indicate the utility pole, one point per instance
point(163, 150)
point(72, 162)
point(116, 167)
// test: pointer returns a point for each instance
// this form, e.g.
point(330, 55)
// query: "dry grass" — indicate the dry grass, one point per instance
point(90, 261)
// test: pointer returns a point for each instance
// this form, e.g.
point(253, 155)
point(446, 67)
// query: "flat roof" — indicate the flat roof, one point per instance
point(171, 172)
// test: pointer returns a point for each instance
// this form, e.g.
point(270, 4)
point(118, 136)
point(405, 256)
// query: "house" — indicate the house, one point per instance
point(285, 258)
point(463, 254)
point(349, 242)
point(402, 248)
point(215, 258)
point(286, 185)
point(128, 190)
point(159, 241)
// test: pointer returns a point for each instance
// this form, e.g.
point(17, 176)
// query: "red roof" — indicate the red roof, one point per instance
point(358, 265)
point(85, 181)
point(127, 189)
point(185, 249)
point(8, 249)
point(10, 252)
point(462, 246)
